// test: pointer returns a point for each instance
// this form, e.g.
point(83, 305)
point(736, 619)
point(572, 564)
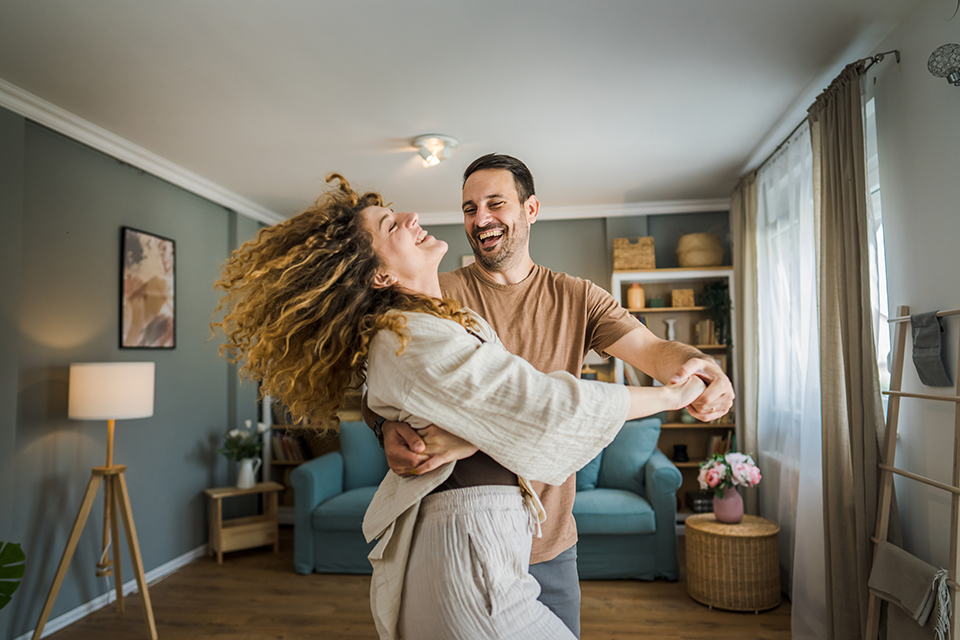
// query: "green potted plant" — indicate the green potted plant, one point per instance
point(245, 446)
point(715, 296)
point(12, 563)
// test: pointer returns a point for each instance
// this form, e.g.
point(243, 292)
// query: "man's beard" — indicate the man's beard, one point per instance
point(510, 245)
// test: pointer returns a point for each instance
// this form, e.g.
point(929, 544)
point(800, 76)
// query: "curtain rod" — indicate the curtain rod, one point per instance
point(869, 62)
point(872, 60)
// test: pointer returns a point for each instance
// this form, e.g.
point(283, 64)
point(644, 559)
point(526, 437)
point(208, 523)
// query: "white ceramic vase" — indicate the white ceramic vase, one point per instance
point(247, 477)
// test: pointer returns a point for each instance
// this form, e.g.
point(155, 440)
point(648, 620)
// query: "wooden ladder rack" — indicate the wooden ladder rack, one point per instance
point(887, 468)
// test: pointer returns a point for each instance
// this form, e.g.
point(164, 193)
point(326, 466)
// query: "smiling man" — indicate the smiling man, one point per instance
point(551, 320)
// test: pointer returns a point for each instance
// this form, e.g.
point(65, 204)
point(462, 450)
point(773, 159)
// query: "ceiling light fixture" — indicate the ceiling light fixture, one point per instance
point(435, 147)
point(944, 62)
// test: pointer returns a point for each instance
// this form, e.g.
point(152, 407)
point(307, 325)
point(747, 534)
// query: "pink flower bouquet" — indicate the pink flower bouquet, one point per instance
point(725, 471)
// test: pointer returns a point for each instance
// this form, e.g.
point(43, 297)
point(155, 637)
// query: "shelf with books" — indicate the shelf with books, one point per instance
point(692, 325)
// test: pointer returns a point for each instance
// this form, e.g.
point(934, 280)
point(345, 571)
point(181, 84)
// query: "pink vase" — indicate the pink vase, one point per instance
point(729, 508)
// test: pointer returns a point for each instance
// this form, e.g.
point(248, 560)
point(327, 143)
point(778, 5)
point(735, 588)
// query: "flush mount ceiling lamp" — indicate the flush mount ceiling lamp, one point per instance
point(435, 147)
point(944, 62)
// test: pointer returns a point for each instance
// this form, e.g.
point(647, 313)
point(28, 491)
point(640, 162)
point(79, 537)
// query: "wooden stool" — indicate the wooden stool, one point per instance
point(243, 533)
point(733, 566)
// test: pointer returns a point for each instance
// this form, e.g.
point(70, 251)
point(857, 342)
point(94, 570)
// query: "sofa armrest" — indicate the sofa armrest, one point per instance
point(663, 480)
point(313, 482)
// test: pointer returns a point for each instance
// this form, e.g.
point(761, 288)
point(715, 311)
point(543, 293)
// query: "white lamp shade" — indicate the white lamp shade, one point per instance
point(111, 390)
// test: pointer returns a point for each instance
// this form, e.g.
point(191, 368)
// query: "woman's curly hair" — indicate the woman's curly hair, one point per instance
point(300, 308)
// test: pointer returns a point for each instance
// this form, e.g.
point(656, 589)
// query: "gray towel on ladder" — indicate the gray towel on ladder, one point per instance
point(927, 343)
point(917, 588)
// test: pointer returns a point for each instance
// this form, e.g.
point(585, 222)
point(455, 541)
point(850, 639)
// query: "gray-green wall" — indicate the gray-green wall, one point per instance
point(584, 247)
point(63, 205)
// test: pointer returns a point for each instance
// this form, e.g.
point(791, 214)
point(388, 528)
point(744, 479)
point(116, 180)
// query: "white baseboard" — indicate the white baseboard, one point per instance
point(154, 576)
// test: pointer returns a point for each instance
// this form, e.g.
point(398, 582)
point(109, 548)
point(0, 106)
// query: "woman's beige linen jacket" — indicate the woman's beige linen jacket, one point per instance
point(541, 427)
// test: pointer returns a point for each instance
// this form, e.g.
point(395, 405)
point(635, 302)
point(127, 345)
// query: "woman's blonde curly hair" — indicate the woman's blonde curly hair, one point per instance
point(300, 308)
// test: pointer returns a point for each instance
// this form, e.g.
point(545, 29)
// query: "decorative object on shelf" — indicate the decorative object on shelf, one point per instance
point(592, 358)
point(699, 250)
point(635, 299)
point(681, 298)
point(632, 256)
point(108, 391)
point(680, 453)
point(244, 447)
point(147, 291)
point(944, 62)
point(656, 303)
point(671, 328)
point(715, 296)
point(685, 416)
point(724, 473)
point(435, 147)
point(247, 476)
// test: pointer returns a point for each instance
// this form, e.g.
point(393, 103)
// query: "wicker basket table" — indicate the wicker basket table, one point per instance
point(733, 566)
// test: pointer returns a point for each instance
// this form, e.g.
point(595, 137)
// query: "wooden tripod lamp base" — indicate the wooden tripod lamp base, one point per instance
point(115, 496)
point(108, 391)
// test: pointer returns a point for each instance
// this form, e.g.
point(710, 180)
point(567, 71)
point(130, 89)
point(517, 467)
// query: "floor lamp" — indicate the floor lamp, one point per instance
point(108, 391)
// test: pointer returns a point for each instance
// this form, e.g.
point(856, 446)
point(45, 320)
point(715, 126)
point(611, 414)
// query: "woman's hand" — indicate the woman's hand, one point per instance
point(687, 392)
point(441, 447)
point(718, 397)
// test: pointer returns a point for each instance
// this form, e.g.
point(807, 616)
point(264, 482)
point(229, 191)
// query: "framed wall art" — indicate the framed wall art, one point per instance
point(147, 290)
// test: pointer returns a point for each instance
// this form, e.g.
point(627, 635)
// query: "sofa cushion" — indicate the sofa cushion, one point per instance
point(364, 463)
point(587, 477)
point(344, 511)
point(623, 459)
point(613, 511)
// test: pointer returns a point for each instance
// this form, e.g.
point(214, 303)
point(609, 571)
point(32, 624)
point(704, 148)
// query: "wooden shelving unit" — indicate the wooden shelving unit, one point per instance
point(659, 283)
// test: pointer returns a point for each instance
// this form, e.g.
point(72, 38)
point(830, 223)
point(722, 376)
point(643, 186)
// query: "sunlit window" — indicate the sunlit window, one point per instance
point(878, 270)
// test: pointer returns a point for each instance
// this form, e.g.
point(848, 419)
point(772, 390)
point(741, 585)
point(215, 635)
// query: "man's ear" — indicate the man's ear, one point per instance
point(531, 208)
point(383, 280)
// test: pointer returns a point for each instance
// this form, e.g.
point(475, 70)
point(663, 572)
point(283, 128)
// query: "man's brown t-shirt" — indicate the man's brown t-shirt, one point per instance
point(550, 320)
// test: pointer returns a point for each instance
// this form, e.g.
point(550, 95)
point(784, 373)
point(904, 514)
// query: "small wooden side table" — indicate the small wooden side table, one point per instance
point(243, 533)
point(733, 566)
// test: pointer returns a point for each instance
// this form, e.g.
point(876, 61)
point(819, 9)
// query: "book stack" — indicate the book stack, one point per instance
point(720, 444)
point(287, 447)
point(700, 501)
point(706, 332)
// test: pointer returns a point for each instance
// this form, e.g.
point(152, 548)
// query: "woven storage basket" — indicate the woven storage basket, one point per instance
point(633, 256)
point(699, 250)
point(733, 566)
point(681, 298)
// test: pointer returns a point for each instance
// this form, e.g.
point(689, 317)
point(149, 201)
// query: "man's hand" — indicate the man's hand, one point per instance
point(718, 397)
point(403, 447)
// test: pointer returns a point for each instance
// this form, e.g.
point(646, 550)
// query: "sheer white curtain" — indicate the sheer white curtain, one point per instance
point(788, 420)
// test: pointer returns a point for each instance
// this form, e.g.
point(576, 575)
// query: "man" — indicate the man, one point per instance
point(551, 320)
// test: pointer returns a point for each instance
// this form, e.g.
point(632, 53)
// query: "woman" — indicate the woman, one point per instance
point(347, 292)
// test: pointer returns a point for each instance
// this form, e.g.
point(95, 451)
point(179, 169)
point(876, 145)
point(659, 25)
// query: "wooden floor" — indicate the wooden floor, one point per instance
point(256, 595)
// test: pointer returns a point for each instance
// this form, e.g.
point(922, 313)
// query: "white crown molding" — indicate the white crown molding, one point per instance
point(49, 115)
point(110, 596)
point(602, 210)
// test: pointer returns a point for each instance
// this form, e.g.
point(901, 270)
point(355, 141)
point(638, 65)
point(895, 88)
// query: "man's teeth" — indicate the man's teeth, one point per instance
point(490, 233)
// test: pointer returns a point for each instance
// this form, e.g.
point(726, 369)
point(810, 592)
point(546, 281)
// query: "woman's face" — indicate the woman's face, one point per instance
point(409, 253)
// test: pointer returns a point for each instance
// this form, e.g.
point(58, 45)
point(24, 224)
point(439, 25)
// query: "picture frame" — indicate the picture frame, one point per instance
point(147, 290)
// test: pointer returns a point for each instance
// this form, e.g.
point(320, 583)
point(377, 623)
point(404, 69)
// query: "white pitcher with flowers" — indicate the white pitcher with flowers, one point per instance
point(245, 446)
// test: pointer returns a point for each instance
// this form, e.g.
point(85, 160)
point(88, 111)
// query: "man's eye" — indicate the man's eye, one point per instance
point(393, 227)
point(496, 205)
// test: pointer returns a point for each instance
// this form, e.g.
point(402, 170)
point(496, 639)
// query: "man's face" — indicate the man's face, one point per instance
point(496, 223)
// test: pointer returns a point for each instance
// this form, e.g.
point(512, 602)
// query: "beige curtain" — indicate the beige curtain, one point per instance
point(853, 422)
point(743, 214)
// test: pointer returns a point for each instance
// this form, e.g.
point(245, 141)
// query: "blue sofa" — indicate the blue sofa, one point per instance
point(625, 506)
point(626, 509)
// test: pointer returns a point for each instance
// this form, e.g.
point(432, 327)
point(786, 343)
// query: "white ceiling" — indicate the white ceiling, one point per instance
point(608, 102)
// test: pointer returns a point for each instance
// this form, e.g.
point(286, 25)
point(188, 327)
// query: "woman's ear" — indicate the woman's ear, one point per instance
point(383, 280)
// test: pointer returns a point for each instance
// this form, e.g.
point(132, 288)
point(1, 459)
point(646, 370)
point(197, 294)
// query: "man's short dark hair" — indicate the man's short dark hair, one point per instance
point(522, 177)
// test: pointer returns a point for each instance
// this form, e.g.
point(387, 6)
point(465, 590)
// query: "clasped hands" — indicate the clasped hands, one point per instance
point(412, 452)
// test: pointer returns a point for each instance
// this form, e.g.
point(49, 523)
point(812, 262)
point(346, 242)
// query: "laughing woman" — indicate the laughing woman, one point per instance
point(347, 292)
